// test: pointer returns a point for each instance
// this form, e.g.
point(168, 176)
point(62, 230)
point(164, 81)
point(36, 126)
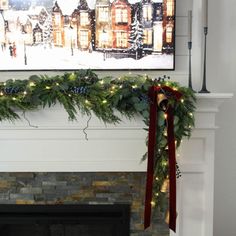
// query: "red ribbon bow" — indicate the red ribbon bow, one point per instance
point(169, 93)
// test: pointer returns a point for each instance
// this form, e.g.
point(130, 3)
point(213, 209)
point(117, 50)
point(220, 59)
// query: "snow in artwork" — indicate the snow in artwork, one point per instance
point(80, 34)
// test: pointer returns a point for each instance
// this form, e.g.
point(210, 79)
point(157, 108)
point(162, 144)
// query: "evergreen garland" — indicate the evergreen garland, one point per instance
point(83, 91)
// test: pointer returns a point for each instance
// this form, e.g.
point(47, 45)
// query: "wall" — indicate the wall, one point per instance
point(221, 73)
point(222, 78)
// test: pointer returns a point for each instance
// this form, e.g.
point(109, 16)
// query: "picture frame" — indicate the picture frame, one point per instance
point(87, 34)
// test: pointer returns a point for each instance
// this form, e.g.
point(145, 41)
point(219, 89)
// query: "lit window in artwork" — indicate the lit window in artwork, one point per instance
point(38, 37)
point(158, 36)
point(121, 15)
point(169, 31)
point(147, 12)
point(84, 18)
point(57, 19)
point(147, 37)
point(170, 7)
point(84, 38)
point(103, 14)
point(121, 39)
point(103, 38)
point(58, 38)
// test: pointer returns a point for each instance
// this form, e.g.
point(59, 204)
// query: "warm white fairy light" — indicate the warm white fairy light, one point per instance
point(57, 84)
point(182, 100)
point(153, 204)
point(157, 194)
point(47, 87)
point(69, 95)
point(165, 116)
point(164, 163)
point(87, 101)
point(121, 86)
point(190, 114)
point(24, 92)
point(157, 178)
point(134, 86)
point(4, 83)
point(14, 99)
point(1, 93)
point(101, 81)
point(31, 84)
point(104, 101)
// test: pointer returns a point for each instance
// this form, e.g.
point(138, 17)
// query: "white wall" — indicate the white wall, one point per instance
point(221, 77)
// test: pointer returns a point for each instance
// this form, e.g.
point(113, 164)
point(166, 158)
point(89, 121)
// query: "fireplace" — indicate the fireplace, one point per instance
point(65, 220)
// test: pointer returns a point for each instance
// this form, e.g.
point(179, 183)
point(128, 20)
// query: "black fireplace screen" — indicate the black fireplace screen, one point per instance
point(65, 220)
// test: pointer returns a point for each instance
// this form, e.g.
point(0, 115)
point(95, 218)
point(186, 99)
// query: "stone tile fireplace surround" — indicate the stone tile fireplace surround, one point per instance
point(51, 162)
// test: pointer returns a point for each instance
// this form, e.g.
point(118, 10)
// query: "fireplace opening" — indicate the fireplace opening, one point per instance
point(65, 220)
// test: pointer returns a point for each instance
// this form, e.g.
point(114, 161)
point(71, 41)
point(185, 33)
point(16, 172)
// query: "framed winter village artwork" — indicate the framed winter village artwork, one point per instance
point(83, 34)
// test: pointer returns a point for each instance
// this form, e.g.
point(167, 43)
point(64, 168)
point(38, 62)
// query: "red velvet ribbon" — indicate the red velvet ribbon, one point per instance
point(153, 92)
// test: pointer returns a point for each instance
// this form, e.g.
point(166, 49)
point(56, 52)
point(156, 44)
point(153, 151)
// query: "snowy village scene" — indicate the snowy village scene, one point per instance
point(83, 34)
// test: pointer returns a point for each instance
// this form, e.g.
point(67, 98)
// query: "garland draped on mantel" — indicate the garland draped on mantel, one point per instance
point(83, 91)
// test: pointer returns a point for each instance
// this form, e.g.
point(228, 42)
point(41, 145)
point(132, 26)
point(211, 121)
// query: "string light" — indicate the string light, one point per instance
point(47, 87)
point(104, 101)
point(31, 84)
point(87, 101)
point(24, 92)
point(14, 99)
point(57, 84)
point(121, 86)
point(165, 116)
point(4, 83)
point(164, 163)
point(182, 100)
point(69, 95)
point(153, 204)
point(157, 178)
point(101, 82)
point(157, 194)
point(1, 93)
point(191, 114)
point(134, 86)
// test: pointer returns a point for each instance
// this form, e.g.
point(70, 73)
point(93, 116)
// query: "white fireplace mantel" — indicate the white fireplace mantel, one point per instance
point(52, 143)
point(47, 142)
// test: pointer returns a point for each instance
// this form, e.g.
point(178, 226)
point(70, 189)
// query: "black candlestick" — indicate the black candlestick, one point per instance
point(190, 66)
point(204, 89)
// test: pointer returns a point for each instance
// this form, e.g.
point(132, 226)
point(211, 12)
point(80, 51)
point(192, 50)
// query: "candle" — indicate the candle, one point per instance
point(189, 26)
point(205, 14)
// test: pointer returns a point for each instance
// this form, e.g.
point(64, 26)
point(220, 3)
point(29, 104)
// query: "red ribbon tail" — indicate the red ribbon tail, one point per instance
point(151, 154)
point(172, 168)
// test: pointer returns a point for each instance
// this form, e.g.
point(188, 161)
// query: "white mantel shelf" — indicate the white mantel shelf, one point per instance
point(57, 145)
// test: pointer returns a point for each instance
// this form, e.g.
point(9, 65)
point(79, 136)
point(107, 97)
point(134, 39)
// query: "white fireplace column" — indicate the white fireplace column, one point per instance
point(52, 144)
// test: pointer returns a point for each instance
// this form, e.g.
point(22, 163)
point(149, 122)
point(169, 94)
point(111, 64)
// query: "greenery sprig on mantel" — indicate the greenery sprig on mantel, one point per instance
point(83, 91)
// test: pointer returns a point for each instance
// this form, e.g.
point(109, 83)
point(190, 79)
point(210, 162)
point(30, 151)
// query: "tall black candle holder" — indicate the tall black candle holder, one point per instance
point(190, 66)
point(204, 89)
